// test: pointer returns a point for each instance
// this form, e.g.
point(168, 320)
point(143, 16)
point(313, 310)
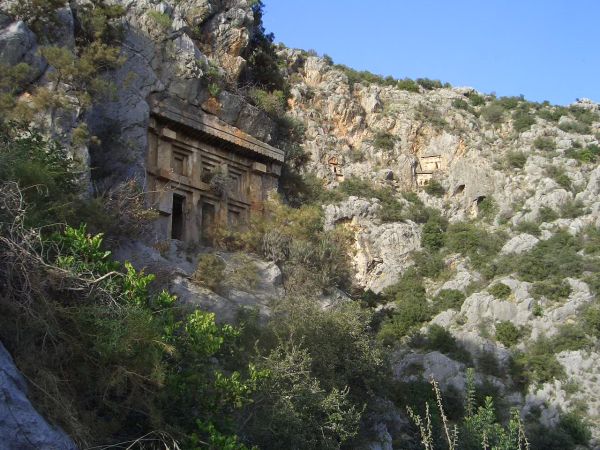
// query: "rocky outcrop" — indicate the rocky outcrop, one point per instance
point(21, 426)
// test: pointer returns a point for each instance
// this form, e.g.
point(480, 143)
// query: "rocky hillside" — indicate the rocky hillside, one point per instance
point(422, 231)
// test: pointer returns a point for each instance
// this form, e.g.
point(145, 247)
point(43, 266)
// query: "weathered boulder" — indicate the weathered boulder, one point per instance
point(21, 426)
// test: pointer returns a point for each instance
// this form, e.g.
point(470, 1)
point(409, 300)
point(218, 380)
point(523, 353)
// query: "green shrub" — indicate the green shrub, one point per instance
point(435, 188)
point(245, 274)
point(544, 143)
point(569, 338)
point(509, 102)
point(384, 140)
point(591, 240)
point(591, 320)
point(507, 333)
point(475, 242)
point(586, 155)
point(556, 257)
point(163, 20)
point(573, 126)
point(441, 340)
point(554, 289)
point(493, 113)
point(558, 174)
point(476, 99)
point(488, 364)
point(273, 103)
point(547, 214)
point(584, 115)
point(431, 115)
point(500, 290)
point(575, 427)
point(432, 235)
point(516, 159)
point(487, 208)
point(429, 84)
point(522, 121)
point(428, 264)
point(448, 299)
point(552, 114)
point(408, 84)
point(537, 365)
point(459, 103)
point(209, 271)
point(572, 209)
point(391, 209)
point(528, 227)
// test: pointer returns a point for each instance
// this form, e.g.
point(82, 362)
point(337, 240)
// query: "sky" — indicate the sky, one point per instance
point(545, 50)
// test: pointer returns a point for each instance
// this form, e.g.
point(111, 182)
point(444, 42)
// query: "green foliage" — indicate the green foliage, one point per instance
point(553, 289)
point(552, 114)
point(384, 140)
point(435, 188)
point(537, 365)
point(411, 310)
point(529, 228)
point(507, 333)
point(459, 103)
point(574, 126)
point(431, 115)
point(38, 14)
point(558, 174)
point(430, 85)
point(591, 320)
point(364, 76)
point(448, 299)
point(487, 208)
point(42, 169)
point(516, 159)
point(429, 264)
point(522, 120)
point(570, 337)
point(476, 99)
point(500, 290)
point(432, 236)
point(273, 103)
point(441, 340)
point(391, 209)
point(545, 143)
point(162, 20)
point(407, 84)
point(493, 113)
point(547, 214)
point(572, 209)
point(585, 155)
point(209, 271)
point(555, 257)
point(475, 242)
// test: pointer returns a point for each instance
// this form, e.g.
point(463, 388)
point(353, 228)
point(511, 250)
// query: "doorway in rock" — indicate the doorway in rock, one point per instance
point(208, 223)
point(177, 217)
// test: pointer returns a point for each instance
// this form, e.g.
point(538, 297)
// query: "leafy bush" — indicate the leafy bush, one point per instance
point(552, 114)
point(555, 257)
point(572, 209)
point(573, 126)
point(586, 155)
point(487, 208)
point(391, 209)
point(431, 115)
point(544, 143)
point(435, 188)
point(163, 20)
point(507, 333)
point(569, 338)
point(432, 236)
point(537, 365)
point(547, 214)
point(522, 120)
point(428, 264)
point(448, 299)
point(441, 340)
point(500, 290)
point(384, 140)
point(459, 103)
point(429, 84)
point(209, 271)
point(516, 159)
point(591, 320)
point(558, 174)
point(553, 289)
point(476, 99)
point(493, 113)
point(529, 228)
point(475, 242)
point(408, 84)
point(274, 103)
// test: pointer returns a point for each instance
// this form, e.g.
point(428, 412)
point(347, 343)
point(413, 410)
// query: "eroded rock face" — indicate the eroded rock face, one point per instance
point(21, 426)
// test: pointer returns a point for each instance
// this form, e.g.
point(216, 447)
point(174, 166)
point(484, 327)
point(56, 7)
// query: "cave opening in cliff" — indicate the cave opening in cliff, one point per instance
point(460, 189)
point(177, 217)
